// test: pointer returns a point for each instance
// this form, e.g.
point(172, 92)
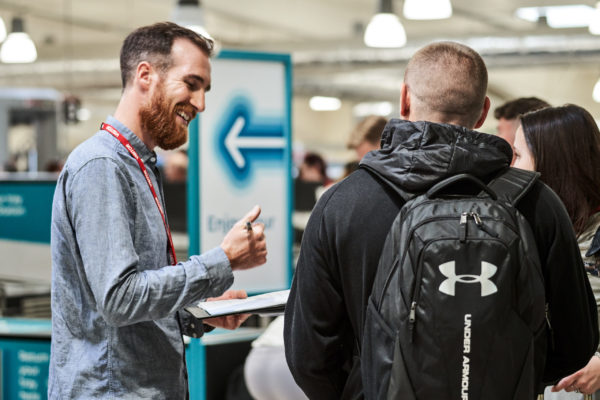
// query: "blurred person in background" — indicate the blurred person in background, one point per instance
point(176, 166)
point(54, 165)
point(366, 136)
point(266, 373)
point(508, 116)
point(563, 144)
point(313, 169)
point(312, 177)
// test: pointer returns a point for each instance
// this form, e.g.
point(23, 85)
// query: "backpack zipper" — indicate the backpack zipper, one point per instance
point(481, 226)
point(412, 315)
point(411, 319)
point(464, 222)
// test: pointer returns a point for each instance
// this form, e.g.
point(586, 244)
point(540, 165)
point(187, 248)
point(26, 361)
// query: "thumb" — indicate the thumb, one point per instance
point(565, 382)
point(252, 214)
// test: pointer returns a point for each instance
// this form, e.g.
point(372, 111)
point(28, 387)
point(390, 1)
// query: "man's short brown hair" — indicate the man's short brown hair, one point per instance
point(153, 43)
point(450, 79)
point(514, 108)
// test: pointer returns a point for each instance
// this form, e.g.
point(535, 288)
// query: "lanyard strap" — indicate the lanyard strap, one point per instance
point(110, 129)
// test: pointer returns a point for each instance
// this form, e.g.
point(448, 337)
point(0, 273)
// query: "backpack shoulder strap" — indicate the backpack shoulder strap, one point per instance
point(513, 183)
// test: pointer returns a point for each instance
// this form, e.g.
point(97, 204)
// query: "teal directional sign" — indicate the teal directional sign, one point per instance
point(240, 156)
point(25, 210)
point(246, 137)
point(25, 216)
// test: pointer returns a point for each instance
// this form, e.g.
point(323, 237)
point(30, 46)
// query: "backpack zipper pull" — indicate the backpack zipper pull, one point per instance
point(411, 319)
point(463, 226)
point(480, 225)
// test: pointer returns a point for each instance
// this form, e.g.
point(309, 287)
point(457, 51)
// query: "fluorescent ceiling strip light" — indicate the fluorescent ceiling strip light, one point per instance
point(571, 16)
point(322, 103)
point(427, 9)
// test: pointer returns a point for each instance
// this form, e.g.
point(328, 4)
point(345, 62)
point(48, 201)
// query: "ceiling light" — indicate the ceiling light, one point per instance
point(383, 108)
point(596, 92)
point(571, 16)
point(2, 30)
point(321, 103)
point(427, 9)
point(594, 26)
point(531, 14)
point(385, 29)
point(18, 46)
point(189, 13)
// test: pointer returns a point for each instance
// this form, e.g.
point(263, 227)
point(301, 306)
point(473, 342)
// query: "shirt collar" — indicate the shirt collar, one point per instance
point(148, 156)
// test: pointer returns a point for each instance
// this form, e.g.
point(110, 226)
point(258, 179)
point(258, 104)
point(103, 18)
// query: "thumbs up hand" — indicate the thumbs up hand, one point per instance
point(245, 244)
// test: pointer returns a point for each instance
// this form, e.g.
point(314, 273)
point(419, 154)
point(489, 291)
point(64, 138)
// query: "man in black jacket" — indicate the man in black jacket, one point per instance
point(442, 99)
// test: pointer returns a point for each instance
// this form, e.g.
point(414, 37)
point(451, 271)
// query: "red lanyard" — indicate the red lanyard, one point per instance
point(110, 129)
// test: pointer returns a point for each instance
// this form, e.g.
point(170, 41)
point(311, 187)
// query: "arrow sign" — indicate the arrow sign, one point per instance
point(247, 139)
point(233, 142)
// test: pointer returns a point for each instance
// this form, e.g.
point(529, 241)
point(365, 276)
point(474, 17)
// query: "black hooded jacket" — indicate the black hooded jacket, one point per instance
point(345, 235)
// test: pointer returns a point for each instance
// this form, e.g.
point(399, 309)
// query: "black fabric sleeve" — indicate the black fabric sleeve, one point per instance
point(314, 316)
point(572, 308)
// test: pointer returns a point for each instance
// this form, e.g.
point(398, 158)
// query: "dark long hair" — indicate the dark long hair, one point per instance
point(565, 144)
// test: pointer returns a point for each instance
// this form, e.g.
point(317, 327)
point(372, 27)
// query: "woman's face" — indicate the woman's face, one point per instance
point(523, 157)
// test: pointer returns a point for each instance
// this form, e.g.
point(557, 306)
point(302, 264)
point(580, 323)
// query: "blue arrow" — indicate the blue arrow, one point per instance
point(244, 135)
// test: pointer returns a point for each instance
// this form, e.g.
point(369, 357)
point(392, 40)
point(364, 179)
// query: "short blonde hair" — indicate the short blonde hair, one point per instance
point(369, 129)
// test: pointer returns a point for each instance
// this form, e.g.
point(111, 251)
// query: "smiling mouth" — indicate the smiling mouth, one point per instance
point(187, 117)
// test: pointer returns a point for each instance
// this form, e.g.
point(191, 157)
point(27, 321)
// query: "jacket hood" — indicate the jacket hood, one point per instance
point(416, 155)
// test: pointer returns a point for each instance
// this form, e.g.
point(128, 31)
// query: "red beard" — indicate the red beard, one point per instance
point(160, 121)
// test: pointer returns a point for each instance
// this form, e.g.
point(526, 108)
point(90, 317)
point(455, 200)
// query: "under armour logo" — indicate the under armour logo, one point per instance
point(488, 270)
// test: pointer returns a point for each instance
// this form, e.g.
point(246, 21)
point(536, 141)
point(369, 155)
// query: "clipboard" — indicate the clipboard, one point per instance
point(272, 303)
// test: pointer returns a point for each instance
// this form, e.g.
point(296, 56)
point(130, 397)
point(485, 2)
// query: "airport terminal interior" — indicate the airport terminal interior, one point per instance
point(54, 97)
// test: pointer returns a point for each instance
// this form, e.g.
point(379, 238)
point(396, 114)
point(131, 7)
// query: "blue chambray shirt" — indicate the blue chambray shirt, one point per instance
point(115, 299)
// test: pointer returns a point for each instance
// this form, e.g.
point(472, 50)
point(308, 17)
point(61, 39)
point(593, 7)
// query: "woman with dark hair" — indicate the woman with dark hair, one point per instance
point(563, 144)
point(313, 169)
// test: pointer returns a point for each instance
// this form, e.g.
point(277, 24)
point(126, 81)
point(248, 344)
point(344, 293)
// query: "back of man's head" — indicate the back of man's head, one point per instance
point(514, 108)
point(447, 82)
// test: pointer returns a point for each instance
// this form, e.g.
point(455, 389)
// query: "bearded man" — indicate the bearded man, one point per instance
point(118, 293)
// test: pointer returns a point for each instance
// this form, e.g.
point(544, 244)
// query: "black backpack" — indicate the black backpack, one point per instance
point(457, 309)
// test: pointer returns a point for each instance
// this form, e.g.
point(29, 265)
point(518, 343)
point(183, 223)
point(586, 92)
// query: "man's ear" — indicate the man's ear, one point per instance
point(484, 113)
point(404, 101)
point(144, 75)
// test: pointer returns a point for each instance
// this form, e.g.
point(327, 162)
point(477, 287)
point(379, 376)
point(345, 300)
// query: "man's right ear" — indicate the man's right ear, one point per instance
point(143, 75)
point(404, 101)
point(484, 113)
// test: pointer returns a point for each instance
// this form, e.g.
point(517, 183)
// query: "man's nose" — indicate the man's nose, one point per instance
point(198, 101)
